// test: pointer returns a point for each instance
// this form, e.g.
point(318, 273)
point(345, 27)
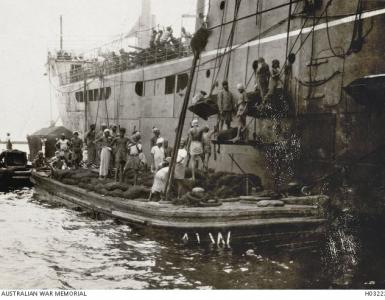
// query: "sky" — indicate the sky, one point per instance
point(30, 28)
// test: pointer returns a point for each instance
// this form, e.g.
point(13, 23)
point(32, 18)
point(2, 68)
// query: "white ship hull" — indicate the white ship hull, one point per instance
point(161, 101)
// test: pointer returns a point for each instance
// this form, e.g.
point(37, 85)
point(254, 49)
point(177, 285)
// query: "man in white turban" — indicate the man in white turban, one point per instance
point(157, 154)
point(241, 111)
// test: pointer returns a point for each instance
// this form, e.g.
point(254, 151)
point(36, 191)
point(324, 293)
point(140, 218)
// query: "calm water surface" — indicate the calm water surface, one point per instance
point(45, 246)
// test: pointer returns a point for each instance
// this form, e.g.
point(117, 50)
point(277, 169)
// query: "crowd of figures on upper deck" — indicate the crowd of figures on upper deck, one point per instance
point(163, 46)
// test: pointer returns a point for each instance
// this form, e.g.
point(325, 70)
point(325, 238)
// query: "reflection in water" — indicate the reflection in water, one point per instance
point(45, 246)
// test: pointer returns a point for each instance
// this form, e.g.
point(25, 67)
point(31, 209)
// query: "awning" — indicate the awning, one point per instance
point(368, 90)
point(53, 131)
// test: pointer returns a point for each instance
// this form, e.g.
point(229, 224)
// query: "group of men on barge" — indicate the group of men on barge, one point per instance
point(117, 154)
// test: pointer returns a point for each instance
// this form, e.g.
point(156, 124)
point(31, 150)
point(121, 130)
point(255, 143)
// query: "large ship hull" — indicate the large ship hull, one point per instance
point(326, 124)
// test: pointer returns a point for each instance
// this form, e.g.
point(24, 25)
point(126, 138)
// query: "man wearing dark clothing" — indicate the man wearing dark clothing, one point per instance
point(89, 140)
point(39, 162)
point(153, 38)
point(275, 83)
point(77, 145)
point(226, 105)
point(167, 149)
point(263, 76)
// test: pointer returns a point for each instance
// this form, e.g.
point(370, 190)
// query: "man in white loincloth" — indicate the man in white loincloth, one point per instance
point(195, 145)
point(180, 167)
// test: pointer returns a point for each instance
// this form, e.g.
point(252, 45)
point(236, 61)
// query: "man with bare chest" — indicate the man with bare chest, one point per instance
point(120, 144)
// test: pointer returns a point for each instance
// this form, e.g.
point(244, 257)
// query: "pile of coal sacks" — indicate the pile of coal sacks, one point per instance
point(217, 185)
point(224, 184)
point(89, 180)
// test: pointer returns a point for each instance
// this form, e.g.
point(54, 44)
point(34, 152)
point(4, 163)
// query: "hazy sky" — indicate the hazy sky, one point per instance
point(28, 28)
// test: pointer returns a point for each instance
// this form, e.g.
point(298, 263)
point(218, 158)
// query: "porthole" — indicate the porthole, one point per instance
point(139, 88)
point(208, 73)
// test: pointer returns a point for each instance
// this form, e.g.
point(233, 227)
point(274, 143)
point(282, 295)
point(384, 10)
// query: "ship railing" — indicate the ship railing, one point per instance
point(126, 61)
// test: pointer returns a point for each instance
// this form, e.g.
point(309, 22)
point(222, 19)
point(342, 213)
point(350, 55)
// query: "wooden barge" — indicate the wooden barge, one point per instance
point(300, 223)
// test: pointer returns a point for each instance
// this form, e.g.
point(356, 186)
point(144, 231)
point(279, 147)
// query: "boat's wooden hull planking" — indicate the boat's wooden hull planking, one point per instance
point(232, 222)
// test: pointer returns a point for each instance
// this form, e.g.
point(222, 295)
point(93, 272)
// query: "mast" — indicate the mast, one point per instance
point(85, 96)
point(61, 33)
point(198, 43)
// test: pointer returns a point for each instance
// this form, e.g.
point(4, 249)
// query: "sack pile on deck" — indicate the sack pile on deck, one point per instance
point(225, 184)
point(218, 185)
point(88, 180)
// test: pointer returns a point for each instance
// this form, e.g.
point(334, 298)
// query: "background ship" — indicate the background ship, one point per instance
point(334, 86)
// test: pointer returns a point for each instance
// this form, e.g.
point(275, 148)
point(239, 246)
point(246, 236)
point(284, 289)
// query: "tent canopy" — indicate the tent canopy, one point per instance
point(53, 131)
point(51, 134)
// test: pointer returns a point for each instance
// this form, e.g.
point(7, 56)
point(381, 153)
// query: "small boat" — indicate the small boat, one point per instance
point(299, 222)
point(14, 167)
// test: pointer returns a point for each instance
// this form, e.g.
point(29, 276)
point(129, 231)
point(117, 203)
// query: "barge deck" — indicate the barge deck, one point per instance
point(300, 222)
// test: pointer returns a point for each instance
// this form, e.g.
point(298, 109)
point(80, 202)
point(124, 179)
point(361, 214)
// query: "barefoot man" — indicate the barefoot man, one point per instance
point(196, 147)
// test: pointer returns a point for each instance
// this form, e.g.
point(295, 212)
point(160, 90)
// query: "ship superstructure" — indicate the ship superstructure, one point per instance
point(331, 56)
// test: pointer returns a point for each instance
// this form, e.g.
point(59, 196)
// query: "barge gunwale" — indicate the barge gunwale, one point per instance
point(205, 226)
point(156, 214)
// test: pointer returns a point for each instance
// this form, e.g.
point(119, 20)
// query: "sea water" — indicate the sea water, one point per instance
point(45, 246)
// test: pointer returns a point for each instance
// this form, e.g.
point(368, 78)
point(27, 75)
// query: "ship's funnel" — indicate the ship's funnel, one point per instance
point(142, 27)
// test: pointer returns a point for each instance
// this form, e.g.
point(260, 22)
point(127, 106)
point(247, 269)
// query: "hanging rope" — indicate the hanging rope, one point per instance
point(356, 42)
point(254, 14)
point(218, 47)
point(236, 10)
point(106, 107)
point(101, 96)
point(310, 88)
point(117, 122)
point(259, 23)
point(226, 51)
point(307, 36)
point(288, 29)
point(318, 82)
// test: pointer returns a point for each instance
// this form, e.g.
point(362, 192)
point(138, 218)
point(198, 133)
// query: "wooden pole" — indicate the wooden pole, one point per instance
point(85, 97)
point(181, 121)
